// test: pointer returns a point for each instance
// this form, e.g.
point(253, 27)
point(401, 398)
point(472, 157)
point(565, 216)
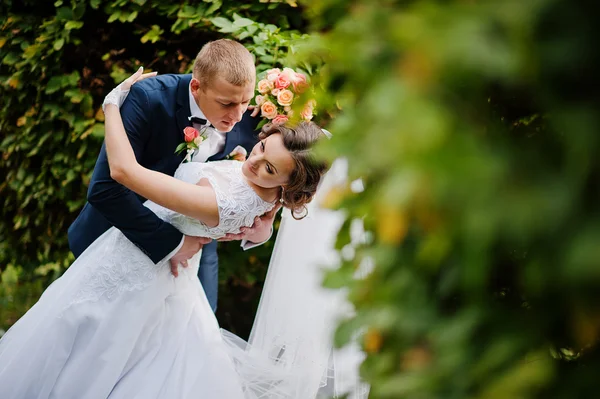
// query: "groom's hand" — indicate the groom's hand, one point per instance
point(191, 246)
point(259, 232)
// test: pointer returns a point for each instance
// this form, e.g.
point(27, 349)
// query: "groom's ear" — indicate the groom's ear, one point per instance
point(195, 85)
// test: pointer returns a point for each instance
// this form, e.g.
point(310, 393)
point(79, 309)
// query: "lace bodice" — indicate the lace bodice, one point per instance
point(238, 203)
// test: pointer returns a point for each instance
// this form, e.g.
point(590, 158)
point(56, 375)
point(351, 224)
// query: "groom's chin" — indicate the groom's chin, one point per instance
point(224, 126)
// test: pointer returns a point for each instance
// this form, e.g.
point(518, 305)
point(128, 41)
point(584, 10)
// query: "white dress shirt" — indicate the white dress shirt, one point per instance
point(215, 140)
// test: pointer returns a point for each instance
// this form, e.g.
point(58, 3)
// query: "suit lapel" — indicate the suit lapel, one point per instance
point(183, 104)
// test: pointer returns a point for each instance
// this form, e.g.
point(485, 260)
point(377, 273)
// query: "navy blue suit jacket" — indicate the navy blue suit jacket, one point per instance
point(154, 115)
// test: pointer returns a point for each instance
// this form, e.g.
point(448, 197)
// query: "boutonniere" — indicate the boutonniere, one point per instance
point(239, 153)
point(193, 139)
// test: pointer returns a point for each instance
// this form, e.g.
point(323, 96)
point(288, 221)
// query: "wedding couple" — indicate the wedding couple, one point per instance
point(130, 318)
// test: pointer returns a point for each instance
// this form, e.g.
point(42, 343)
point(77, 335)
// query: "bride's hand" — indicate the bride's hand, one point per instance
point(118, 95)
point(138, 76)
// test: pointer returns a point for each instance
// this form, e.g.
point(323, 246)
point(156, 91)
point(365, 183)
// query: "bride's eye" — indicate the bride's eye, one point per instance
point(269, 170)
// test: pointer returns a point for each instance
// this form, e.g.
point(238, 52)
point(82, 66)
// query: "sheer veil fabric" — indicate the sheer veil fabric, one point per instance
point(297, 317)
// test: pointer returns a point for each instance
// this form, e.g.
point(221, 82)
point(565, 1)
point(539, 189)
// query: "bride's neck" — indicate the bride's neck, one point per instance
point(266, 194)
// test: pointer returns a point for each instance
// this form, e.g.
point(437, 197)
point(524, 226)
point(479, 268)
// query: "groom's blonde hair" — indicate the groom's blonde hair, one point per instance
point(227, 59)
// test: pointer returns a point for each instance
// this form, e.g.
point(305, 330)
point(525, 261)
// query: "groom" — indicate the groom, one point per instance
point(155, 114)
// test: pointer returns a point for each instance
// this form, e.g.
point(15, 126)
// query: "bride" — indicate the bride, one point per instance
point(115, 325)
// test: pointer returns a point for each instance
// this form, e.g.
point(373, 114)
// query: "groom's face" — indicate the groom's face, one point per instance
point(221, 102)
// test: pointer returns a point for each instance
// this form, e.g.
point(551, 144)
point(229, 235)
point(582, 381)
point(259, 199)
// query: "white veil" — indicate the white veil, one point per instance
point(297, 317)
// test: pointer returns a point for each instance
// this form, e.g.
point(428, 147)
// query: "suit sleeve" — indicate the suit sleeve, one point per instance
point(120, 206)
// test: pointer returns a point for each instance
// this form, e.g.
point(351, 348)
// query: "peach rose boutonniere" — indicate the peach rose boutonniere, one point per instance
point(279, 89)
point(239, 153)
point(193, 138)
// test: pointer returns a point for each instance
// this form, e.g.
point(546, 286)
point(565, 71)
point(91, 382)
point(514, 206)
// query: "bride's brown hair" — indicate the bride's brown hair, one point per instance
point(304, 179)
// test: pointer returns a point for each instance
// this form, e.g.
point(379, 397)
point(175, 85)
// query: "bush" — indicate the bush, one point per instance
point(474, 127)
point(57, 62)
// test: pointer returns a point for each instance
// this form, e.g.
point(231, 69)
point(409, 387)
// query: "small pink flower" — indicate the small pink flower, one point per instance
point(282, 81)
point(259, 100)
point(268, 110)
point(239, 153)
point(307, 113)
point(299, 77)
point(290, 73)
point(264, 86)
point(272, 77)
point(272, 74)
point(285, 97)
point(189, 134)
point(299, 83)
point(275, 92)
point(280, 119)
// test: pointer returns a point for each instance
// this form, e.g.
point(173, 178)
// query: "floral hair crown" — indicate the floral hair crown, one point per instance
point(278, 90)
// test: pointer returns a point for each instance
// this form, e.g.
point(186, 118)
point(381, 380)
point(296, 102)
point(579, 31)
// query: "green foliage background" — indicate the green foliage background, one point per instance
point(57, 61)
point(475, 128)
point(473, 125)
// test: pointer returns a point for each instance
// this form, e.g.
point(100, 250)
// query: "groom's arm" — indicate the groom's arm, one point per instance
point(119, 205)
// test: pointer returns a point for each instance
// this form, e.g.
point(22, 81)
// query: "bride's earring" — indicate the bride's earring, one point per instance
point(281, 199)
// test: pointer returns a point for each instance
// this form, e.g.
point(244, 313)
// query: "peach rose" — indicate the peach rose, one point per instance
point(239, 153)
point(259, 100)
point(307, 113)
point(280, 119)
point(189, 134)
point(238, 156)
point(290, 73)
point(275, 92)
point(272, 77)
point(272, 74)
point(268, 110)
point(299, 83)
point(285, 97)
point(264, 86)
point(282, 81)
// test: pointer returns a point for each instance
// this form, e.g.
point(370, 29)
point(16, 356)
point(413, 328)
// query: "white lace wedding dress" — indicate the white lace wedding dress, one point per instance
point(116, 325)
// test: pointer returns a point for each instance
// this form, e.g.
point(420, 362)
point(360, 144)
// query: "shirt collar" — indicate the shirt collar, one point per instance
point(194, 109)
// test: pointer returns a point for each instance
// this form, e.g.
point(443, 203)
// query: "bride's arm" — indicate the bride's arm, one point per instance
point(188, 199)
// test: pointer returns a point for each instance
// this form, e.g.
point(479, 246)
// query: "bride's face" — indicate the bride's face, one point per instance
point(269, 164)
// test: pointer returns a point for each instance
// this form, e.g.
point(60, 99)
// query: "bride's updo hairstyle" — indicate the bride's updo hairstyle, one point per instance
point(298, 140)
